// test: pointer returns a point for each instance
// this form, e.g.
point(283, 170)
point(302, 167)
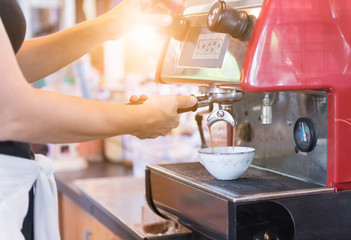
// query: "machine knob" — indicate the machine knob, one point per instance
point(224, 18)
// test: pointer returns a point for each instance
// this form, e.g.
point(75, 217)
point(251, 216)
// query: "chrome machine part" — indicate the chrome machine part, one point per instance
point(220, 115)
point(266, 117)
point(224, 97)
point(216, 94)
point(225, 106)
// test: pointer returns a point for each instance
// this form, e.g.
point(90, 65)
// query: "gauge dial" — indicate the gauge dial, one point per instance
point(304, 135)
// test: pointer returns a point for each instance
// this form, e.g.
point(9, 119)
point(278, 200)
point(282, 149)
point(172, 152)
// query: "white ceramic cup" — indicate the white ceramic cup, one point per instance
point(226, 163)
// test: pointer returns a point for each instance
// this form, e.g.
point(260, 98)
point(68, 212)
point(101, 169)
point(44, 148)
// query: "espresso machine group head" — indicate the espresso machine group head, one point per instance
point(225, 98)
point(282, 68)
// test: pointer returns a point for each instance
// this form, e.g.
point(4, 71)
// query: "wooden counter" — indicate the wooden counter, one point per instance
point(103, 202)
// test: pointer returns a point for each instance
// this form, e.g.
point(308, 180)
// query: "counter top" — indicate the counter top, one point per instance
point(112, 195)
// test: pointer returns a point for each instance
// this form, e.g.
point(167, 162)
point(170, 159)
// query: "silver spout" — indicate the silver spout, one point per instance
point(266, 117)
point(220, 115)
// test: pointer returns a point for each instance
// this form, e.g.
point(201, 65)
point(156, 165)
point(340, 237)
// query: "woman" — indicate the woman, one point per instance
point(37, 116)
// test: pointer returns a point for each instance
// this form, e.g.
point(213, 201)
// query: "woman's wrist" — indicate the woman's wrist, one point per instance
point(139, 117)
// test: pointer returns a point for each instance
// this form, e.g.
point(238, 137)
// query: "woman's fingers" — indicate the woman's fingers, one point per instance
point(135, 98)
point(186, 101)
point(143, 97)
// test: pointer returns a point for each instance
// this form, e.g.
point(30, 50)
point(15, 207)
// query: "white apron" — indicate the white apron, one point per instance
point(17, 176)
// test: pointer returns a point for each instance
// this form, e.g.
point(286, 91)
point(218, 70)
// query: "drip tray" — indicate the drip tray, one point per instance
point(255, 184)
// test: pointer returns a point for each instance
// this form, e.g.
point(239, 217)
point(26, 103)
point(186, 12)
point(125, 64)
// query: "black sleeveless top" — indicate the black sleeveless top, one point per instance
point(15, 25)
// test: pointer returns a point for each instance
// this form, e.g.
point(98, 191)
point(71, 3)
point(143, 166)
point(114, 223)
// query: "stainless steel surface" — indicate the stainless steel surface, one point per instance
point(266, 122)
point(254, 184)
point(122, 197)
point(220, 115)
point(274, 143)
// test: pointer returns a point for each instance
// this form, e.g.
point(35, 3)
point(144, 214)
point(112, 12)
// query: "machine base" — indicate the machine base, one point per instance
point(258, 205)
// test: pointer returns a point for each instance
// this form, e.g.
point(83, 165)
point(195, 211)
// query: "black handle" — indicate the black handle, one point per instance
point(179, 110)
point(224, 18)
point(191, 109)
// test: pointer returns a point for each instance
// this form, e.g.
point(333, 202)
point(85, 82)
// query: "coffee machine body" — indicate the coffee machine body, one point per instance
point(294, 79)
point(297, 46)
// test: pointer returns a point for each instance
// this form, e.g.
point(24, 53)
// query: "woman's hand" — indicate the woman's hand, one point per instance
point(131, 14)
point(159, 114)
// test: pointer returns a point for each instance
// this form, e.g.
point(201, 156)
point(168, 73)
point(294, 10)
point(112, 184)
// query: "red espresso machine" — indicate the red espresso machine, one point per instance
point(284, 75)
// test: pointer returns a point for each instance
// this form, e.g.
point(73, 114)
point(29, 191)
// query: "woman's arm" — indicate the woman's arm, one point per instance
point(42, 56)
point(33, 115)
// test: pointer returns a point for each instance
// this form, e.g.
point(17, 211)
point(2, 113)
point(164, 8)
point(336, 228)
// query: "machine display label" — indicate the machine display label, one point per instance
point(203, 49)
point(209, 46)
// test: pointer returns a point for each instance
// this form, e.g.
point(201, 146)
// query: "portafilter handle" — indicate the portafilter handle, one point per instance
point(202, 101)
point(191, 109)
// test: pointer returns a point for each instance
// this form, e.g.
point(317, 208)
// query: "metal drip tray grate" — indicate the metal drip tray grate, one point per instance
point(254, 183)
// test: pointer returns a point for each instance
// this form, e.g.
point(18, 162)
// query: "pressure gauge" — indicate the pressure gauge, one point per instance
point(304, 135)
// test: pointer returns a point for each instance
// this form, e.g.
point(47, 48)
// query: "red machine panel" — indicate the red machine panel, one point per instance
point(301, 45)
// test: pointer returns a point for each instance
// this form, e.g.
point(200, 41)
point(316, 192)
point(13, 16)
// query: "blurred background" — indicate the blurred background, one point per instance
point(111, 72)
